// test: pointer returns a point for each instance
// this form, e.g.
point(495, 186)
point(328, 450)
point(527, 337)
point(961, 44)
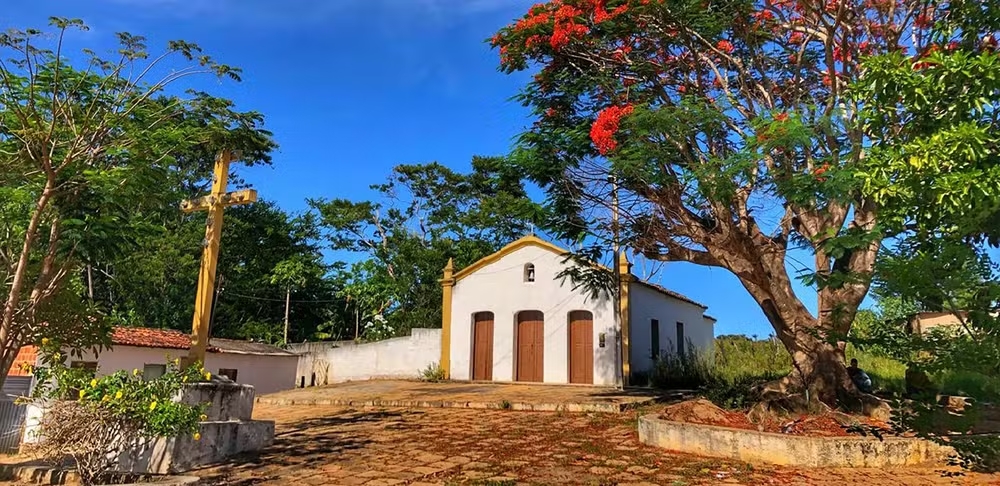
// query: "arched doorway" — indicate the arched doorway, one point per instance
point(482, 346)
point(581, 347)
point(530, 346)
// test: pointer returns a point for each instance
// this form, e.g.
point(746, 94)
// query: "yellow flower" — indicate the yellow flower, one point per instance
point(118, 395)
point(93, 383)
point(104, 398)
point(197, 436)
point(203, 417)
point(152, 406)
point(45, 341)
point(136, 372)
point(82, 393)
point(208, 376)
point(177, 361)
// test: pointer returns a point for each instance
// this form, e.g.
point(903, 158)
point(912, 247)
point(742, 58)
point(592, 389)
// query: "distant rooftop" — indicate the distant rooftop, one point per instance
point(145, 337)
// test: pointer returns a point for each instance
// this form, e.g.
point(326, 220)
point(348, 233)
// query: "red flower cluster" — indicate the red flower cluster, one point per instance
point(724, 46)
point(602, 133)
point(563, 18)
point(781, 117)
point(601, 12)
point(818, 173)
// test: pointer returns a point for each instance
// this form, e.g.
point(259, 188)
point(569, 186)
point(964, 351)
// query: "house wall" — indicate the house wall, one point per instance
point(334, 362)
point(646, 304)
point(925, 321)
point(267, 374)
point(499, 288)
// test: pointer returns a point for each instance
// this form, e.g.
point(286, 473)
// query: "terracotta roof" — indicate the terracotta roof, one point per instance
point(144, 337)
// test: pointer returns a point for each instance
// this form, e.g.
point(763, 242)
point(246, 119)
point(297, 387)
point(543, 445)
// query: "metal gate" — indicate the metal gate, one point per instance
point(11, 413)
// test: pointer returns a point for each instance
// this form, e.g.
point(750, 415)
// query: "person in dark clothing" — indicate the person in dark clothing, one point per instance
point(861, 379)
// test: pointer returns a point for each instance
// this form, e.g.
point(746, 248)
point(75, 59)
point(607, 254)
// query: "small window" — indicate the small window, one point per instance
point(680, 339)
point(153, 371)
point(655, 338)
point(90, 366)
point(228, 373)
point(529, 272)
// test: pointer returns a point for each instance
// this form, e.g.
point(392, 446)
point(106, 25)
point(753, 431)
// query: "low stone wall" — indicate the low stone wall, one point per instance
point(324, 363)
point(789, 450)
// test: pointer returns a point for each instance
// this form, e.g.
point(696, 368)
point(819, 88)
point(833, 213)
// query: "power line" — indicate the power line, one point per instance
point(251, 297)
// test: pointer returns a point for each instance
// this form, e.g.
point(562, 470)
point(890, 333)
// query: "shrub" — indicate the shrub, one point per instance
point(687, 371)
point(969, 384)
point(432, 373)
point(736, 393)
point(95, 421)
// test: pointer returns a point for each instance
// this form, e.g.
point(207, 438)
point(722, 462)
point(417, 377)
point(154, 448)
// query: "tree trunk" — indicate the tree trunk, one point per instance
point(819, 371)
point(10, 334)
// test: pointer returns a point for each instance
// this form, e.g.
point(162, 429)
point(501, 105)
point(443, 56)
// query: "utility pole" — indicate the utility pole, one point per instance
point(288, 300)
point(616, 250)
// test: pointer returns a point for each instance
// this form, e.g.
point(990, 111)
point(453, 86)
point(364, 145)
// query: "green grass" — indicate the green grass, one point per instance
point(739, 363)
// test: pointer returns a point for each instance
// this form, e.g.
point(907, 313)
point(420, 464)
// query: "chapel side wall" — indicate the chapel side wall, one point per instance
point(499, 287)
point(646, 304)
point(335, 362)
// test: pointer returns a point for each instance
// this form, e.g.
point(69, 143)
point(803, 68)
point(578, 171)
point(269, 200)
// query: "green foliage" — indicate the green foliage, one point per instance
point(432, 373)
point(433, 214)
point(92, 152)
point(95, 420)
point(688, 371)
point(982, 387)
point(737, 357)
point(153, 285)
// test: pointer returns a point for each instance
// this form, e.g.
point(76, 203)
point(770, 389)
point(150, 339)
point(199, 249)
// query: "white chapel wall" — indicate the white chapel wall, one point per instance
point(647, 304)
point(499, 287)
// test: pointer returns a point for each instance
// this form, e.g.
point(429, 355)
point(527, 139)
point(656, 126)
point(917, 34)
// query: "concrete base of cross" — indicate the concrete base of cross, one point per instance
point(228, 430)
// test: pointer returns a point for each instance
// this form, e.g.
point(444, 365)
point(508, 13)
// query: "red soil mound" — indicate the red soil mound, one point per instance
point(704, 412)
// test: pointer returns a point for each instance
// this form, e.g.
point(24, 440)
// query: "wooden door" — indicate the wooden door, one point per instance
point(581, 347)
point(530, 346)
point(482, 346)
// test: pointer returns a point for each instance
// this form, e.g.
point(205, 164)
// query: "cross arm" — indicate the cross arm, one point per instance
point(235, 198)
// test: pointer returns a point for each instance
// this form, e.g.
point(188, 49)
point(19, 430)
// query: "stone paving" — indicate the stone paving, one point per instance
point(329, 445)
point(400, 393)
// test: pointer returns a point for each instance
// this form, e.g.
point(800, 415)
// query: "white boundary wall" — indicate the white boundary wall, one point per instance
point(323, 363)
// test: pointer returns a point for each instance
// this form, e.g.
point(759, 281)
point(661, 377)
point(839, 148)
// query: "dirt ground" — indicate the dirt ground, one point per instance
point(326, 445)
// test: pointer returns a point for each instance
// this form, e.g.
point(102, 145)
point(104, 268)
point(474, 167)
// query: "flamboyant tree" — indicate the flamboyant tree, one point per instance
point(732, 137)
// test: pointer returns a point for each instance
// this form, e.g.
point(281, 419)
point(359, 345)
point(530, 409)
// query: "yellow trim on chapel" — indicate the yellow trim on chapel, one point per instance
point(625, 317)
point(451, 277)
point(530, 240)
point(447, 283)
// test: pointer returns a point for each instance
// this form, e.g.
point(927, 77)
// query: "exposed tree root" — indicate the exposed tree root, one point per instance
point(787, 396)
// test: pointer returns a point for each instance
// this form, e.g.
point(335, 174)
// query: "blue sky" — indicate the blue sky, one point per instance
point(351, 88)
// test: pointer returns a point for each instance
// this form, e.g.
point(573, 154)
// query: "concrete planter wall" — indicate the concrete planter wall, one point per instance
point(788, 450)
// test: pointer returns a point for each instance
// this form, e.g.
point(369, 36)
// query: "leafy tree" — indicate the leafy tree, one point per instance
point(294, 273)
point(729, 131)
point(81, 146)
point(153, 285)
point(433, 214)
point(934, 169)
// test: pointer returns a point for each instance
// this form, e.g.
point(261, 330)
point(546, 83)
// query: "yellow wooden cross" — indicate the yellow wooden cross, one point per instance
point(214, 203)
